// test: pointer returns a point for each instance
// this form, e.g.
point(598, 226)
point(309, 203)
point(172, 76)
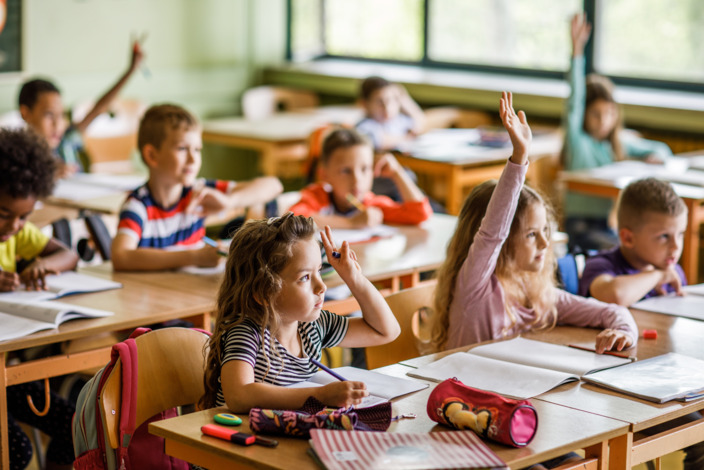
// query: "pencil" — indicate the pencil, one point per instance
point(214, 244)
point(328, 370)
point(355, 202)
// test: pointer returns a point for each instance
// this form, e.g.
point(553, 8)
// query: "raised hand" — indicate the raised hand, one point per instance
point(517, 127)
point(345, 262)
point(580, 30)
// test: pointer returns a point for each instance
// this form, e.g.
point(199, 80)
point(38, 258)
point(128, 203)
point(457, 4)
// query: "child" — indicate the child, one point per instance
point(652, 220)
point(594, 138)
point(391, 115)
point(499, 279)
point(27, 171)
point(269, 318)
point(344, 198)
point(169, 210)
point(42, 110)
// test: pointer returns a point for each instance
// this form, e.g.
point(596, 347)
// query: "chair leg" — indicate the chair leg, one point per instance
point(38, 448)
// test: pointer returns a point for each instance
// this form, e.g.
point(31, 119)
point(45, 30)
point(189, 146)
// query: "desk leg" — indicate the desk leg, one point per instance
point(454, 191)
point(690, 250)
point(620, 452)
point(600, 452)
point(4, 441)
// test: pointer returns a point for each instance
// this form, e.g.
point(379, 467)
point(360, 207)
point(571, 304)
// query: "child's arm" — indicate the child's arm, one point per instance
point(369, 217)
point(378, 324)
point(628, 289)
point(207, 201)
point(104, 102)
point(54, 258)
point(242, 393)
point(580, 29)
point(389, 167)
point(411, 108)
point(517, 127)
point(126, 256)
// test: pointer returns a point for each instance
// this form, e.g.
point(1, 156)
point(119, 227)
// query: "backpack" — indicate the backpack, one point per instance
point(138, 448)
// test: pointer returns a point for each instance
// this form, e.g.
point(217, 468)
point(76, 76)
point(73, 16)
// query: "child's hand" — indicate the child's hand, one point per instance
point(654, 159)
point(66, 170)
point(610, 339)
point(137, 55)
point(369, 217)
point(34, 274)
point(8, 281)
point(517, 127)
point(207, 257)
point(206, 201)
point(580, 30)
point(672, 278)
point(342, 394)
point(387, 166)
point(346, 263)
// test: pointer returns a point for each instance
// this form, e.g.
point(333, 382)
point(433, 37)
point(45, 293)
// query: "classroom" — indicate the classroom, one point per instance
point(196, 151)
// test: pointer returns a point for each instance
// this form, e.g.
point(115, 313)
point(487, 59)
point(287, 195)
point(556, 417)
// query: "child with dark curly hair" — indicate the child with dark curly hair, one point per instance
point(27, 170)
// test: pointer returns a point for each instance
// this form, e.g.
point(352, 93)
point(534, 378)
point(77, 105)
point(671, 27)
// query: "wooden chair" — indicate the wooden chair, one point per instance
point(263, 101)
point(444, 117)
point(170, 373)
point(405, 306)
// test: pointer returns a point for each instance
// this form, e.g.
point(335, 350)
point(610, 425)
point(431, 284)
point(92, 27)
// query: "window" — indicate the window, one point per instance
point(634, 41)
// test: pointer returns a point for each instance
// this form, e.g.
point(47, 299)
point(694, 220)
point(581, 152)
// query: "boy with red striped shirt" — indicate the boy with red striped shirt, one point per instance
point(162, 222)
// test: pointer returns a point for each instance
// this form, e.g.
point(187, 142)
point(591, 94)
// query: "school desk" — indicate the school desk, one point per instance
point(601, 182)
point(560, 430)
point(463, 164)
point(280, 137)
point(136, 304)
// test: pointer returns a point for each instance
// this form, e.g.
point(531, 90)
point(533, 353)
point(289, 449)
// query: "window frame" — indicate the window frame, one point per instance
point(589, 6)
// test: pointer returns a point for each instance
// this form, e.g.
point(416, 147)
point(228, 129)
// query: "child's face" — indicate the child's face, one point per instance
point(383, 104)
point(530, 245)
point(303, 291)
point(178, 158)
point(657, 241)
point(13, 214)
point(600, 118)
point(349, 171)
point(46, 117)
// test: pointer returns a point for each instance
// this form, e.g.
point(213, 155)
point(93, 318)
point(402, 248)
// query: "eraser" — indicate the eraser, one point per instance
point(650, 334)
point(227, 419)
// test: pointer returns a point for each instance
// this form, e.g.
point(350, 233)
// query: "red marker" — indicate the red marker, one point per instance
point(228, 434)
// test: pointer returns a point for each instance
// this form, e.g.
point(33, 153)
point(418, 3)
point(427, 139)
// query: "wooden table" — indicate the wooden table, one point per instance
point(561, 430)
point(136, 304)
point(464, 165)
point(280, 137)
point(601, 182)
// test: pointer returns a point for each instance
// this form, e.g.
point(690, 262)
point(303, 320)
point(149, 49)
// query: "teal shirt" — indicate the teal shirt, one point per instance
point(584, 152)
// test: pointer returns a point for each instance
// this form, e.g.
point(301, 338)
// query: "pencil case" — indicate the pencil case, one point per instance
point(490, 415)
point(315, 415)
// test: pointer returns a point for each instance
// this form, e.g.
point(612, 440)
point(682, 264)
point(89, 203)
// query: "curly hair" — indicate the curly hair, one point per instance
point(259, 251)
point(30, 91)
point(27, 166)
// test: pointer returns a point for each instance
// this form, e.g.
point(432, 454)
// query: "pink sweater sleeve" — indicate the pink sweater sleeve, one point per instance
point(478, 268)
point(580, 311)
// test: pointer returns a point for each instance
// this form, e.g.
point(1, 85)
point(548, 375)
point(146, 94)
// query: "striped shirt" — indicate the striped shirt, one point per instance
point(244, 343)
point(153, 226)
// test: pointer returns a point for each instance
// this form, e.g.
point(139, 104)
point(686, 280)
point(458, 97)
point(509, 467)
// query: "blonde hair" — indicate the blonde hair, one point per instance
point(521, 288)
point(157, 119)
point(259, 251)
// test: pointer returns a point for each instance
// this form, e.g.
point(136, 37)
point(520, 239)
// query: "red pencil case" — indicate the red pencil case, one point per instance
point(490, 415)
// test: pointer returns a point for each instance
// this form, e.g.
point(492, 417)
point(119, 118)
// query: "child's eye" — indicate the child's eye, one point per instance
point(305, 278)
point(531, 234)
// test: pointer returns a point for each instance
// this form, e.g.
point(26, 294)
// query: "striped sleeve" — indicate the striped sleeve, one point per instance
point(132, 217)
point(241, 343)
point(223, 186)
point(333, 328)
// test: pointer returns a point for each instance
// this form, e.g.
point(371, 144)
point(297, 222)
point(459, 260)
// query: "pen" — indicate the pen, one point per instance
point(214, 244)
point(328, 370)
point(610, 353)
point(355, 202)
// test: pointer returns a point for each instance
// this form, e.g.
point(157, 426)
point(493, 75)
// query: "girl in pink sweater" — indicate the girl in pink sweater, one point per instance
point(499, 276)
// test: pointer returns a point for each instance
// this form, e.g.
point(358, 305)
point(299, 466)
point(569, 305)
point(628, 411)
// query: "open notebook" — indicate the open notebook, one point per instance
point(519, 368)
point(381, 387)
point(61, 285)
point(688, 306)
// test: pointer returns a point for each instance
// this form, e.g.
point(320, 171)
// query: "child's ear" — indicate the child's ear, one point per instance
point(24, 111)
point(149, 155)
point(625, 235)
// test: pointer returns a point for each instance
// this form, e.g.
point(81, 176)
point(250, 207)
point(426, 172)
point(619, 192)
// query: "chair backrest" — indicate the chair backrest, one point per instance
point(405, 305)
point(570, 269)
point(170, 374)
point(100, 235)
point(263, 101)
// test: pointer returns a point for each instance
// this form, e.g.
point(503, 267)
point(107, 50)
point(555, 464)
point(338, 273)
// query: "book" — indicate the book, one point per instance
point(381, 387)
point(690, 305)
point(519, 368)
point(363, 234)
point(61, 285)
point(351, 450)
point(659, 379)
point(22, 318)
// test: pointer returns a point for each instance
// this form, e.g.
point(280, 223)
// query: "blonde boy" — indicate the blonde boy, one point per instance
point(344, 197)
point(162, 222)
point(652, 221)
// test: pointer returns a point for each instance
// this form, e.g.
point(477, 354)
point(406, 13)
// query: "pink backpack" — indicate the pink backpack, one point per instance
point(138, 448)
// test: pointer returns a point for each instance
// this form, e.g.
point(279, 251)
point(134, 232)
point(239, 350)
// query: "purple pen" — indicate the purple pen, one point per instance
point(328, 370)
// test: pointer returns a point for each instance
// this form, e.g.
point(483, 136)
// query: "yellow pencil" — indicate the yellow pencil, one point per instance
point(355, 202)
